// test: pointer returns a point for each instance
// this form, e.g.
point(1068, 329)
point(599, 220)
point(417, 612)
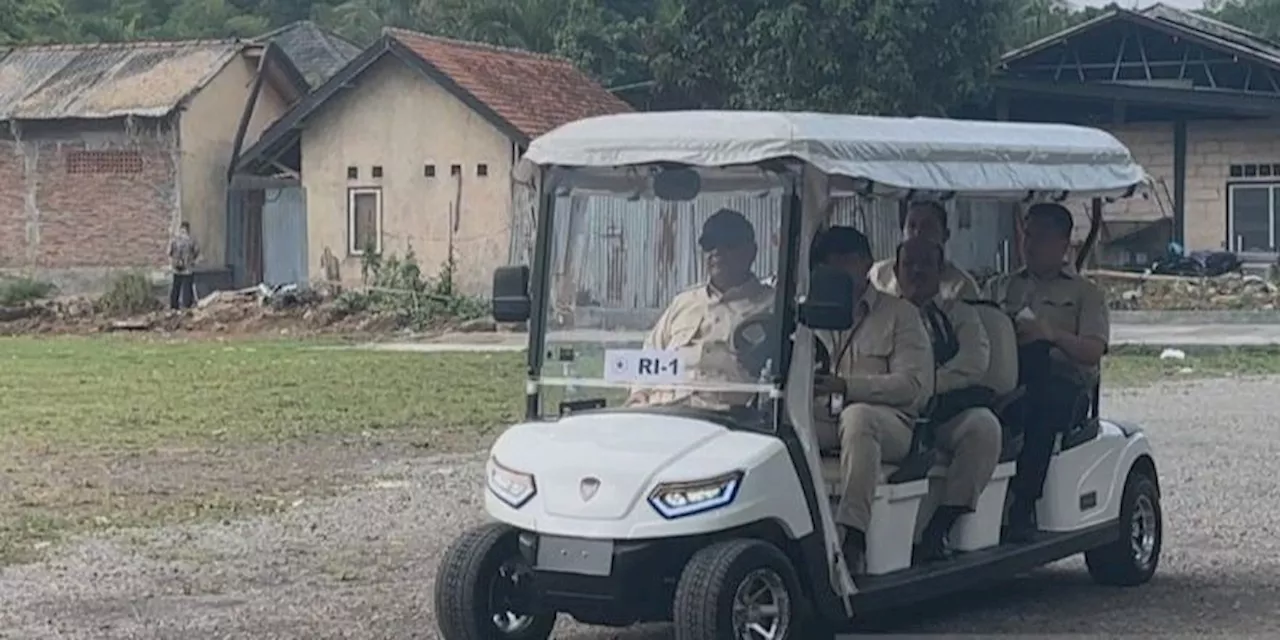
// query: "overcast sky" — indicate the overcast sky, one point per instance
point(1181, 4)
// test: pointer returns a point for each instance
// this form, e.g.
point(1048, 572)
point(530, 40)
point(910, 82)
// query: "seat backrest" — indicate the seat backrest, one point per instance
point(1002, 371)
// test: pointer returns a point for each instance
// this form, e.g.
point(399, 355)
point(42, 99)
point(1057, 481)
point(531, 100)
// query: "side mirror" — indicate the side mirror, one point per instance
point(511, 294)
point(829, 305)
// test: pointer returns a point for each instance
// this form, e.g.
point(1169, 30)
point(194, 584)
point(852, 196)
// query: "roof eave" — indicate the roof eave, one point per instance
point(277, 138)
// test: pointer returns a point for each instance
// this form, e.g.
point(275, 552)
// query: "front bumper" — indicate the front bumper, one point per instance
point(639, 587)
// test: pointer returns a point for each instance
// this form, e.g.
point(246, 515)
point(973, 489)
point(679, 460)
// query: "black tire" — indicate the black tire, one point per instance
point(709, 586)
point(464, 587)
point(1120, 563)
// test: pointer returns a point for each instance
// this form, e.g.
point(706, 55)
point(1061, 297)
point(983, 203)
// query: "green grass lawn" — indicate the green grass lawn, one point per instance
point(124, 394)
point(115, 431)
point(103, 432)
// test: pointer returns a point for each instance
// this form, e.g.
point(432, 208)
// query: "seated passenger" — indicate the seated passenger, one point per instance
point(883, 370)
point(927, 219)
point(700, 321)
point(964, 426)
point(1063, 330)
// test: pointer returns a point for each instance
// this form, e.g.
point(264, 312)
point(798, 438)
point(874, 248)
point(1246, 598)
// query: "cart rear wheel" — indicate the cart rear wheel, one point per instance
point(1132, 560)
point(737, 590)
point(479, 589)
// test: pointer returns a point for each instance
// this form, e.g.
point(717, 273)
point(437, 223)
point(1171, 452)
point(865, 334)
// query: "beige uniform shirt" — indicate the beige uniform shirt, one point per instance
point(886, 359)
point(1067, 302)
point(955, 285)
point(699, 324)
point(969, 366)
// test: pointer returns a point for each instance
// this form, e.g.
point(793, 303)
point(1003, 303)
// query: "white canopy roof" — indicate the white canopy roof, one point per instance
point(967, 157)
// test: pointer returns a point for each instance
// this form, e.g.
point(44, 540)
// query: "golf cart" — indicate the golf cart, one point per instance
point(709, 503)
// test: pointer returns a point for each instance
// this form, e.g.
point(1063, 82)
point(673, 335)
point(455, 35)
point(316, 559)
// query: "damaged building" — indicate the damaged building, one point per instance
point(106, 148)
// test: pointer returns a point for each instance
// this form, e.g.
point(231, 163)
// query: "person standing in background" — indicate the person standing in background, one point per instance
point(183, 252)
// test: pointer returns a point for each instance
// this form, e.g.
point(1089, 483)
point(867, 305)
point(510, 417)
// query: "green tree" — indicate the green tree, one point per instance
point(867, 56)
point(33, 21)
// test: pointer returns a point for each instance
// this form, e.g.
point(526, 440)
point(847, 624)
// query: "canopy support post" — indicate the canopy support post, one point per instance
point(1179, 178)
point(1095, 227)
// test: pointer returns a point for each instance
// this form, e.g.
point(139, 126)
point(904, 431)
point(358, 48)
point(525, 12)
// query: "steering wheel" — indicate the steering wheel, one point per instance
point(753, 341)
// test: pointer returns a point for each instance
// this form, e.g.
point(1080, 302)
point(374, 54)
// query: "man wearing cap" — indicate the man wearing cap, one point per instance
point(1064, 328)
point(927, 219)
point(882, 377)
point(699, 323)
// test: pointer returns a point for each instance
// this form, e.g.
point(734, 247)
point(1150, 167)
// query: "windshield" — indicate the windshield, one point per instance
point(657, 303)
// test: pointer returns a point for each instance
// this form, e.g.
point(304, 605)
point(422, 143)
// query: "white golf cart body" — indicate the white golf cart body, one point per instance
point(586, 487)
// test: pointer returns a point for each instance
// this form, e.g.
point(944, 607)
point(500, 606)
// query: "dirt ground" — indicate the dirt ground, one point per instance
point(360, 562)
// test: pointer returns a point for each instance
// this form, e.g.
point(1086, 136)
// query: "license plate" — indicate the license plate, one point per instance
point(575, 555)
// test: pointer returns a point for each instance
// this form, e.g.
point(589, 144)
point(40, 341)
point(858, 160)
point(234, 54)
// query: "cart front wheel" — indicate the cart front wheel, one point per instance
point(737, 590)
point(481, 589)
point(1132, 559)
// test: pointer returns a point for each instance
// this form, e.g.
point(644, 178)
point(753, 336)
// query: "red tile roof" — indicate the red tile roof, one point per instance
point(534, 93)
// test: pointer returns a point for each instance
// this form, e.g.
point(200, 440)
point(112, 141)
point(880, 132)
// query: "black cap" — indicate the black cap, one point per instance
point(726, 228)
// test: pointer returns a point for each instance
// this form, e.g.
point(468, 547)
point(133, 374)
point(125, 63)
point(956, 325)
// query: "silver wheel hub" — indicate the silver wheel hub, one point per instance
point(761, 607)
point(504, 585)
point(1142, 532)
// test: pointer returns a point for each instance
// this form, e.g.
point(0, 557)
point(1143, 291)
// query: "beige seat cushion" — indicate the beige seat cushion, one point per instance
point(1002, 372)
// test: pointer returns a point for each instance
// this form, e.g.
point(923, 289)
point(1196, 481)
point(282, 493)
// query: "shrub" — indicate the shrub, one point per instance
point(129, 294)
point(396, 286)
point(15, 291)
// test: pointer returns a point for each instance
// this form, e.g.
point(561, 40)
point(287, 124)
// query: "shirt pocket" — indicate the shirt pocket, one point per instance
point(871, 353)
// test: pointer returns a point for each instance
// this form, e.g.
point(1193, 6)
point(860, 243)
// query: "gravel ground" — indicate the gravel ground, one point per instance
point(362, 565)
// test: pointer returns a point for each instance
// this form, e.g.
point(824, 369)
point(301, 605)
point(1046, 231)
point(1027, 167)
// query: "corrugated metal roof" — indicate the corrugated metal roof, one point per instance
point(1216, 29)
point(317, 53)
point(147, 79)
point(1227, 37)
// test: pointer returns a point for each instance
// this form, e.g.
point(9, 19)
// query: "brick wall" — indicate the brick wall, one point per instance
point(63, 210)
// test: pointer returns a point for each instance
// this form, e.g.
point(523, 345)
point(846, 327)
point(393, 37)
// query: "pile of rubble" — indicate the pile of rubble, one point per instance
point(1229, 292)
point(289, 309)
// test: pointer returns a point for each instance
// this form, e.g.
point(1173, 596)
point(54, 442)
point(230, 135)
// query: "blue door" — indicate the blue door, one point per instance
point(284, 236)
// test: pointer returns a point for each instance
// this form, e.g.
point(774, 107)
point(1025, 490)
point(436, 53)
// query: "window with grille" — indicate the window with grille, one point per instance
point(364, 221)
point(108, 162)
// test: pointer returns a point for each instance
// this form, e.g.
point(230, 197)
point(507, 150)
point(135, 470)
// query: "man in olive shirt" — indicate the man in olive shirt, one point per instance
point(1063, 332)
point(700, 321)
point(883, 370)
point(927, 219)
point(964, 426)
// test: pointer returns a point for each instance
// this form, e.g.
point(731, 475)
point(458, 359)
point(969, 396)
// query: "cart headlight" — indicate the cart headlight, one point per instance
point(510, 486)
point(679, 499)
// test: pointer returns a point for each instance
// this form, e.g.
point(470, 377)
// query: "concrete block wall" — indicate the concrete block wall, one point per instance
point(1152, 146)
point(1212, 147)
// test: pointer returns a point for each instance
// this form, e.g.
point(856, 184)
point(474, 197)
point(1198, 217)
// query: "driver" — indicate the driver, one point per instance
point(883, 368)
point(700, 321)
point(927, 219)
point(965, 427)
point(1063, 330)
